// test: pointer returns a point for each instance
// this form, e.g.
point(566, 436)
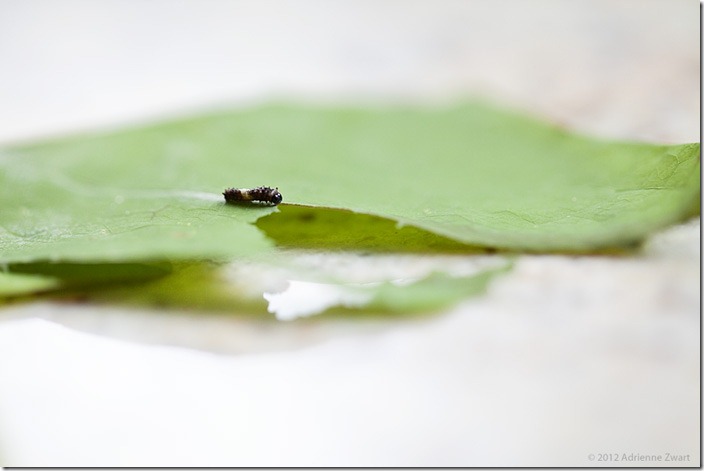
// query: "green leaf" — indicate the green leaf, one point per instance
point(471, 176)
point(15, 285)
point(340, 229)
point(198, 285)
point(216, 288)
point(436, 291)
point(26, 278)
point(82, 274)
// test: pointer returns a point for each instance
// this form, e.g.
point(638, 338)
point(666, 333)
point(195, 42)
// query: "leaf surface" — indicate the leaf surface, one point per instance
point(465, 176)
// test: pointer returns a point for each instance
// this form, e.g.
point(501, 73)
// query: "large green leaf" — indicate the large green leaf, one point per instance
point(471, 174)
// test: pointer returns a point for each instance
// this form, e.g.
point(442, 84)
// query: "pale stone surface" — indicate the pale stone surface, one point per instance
point(563, 358)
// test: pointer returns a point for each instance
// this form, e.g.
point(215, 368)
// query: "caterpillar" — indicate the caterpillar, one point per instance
point(261, 193)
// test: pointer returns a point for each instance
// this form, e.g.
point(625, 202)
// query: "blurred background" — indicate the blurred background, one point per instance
point(563, 360)
point(624, 67)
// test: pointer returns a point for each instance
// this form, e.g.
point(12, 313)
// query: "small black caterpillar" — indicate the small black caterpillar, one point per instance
point(261, 193)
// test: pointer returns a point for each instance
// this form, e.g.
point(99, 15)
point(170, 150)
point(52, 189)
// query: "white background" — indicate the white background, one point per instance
point(563, 358)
